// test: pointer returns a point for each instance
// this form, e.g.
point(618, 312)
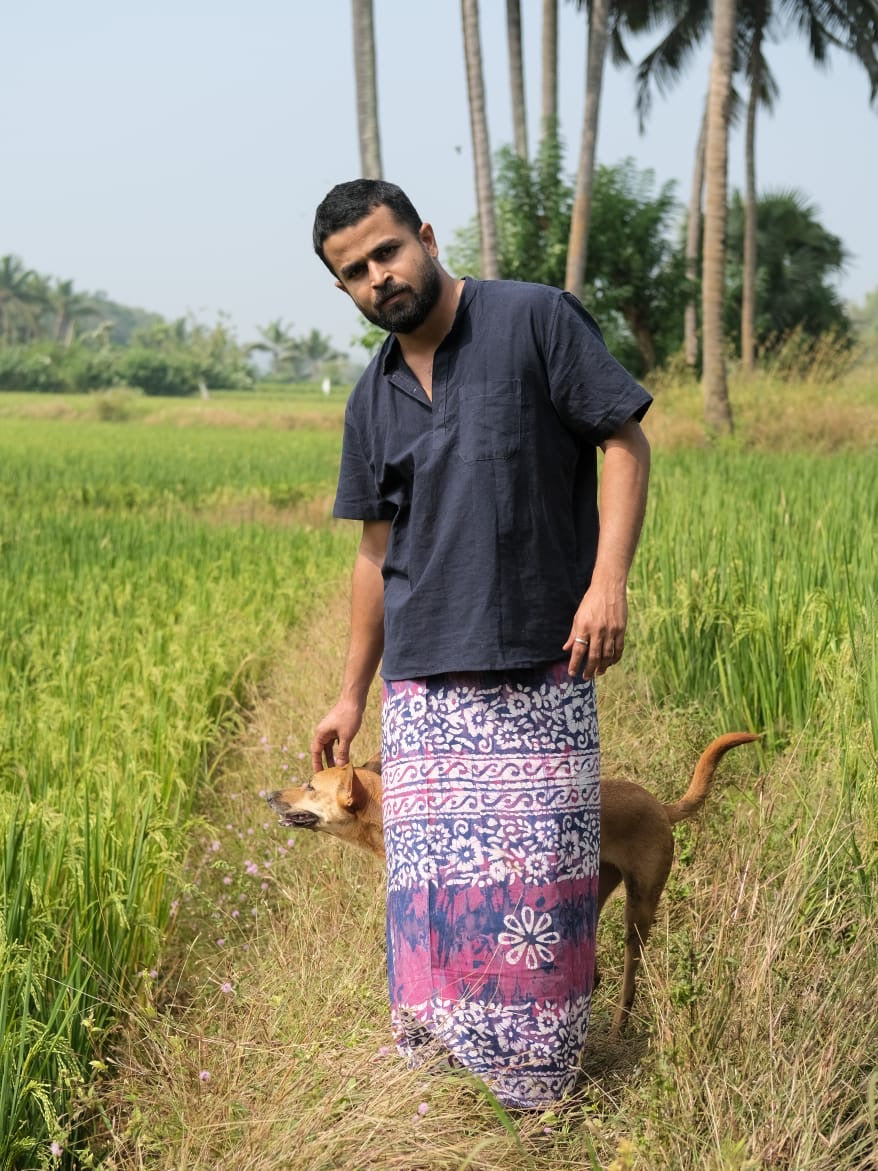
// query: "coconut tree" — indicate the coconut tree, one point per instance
point(717, 410)
point(24, 296)
point(69, 308)
point(550, 69)
point(755, 14)
point(275, 340)
point(693, 248)
point(799, 262)
point(661, 68)
point(598, 18)
point(516, 77)
point(472, 47)
point(851, 25)
point(606, 20)
point(366, 87)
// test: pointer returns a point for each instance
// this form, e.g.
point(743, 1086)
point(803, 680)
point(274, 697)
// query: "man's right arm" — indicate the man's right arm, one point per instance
point(340, 725)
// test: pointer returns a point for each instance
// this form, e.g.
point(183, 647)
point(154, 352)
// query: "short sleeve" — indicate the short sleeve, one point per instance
point(592, 393)
point(357, 496)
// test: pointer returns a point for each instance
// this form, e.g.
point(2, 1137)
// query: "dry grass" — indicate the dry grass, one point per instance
point(772, 414)
point(311, 513)
point(755, 1036)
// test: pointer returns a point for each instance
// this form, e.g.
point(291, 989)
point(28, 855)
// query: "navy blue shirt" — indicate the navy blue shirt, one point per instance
point(491, 488)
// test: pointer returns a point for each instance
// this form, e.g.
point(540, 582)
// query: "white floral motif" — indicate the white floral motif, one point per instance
point(518, 704)
point(409, 738)
point(578, 714)
point(465, 855)
point(537, 867)
point(417, 706)
point(528, 936)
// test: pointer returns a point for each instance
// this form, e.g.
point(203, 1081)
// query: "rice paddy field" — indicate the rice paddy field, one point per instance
point(182, 986)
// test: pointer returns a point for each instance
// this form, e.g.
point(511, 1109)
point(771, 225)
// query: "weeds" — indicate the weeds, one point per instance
point(150, 576)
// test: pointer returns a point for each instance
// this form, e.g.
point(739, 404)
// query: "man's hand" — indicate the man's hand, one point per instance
point(597, 636)
point(340, 725)
point(337, 728)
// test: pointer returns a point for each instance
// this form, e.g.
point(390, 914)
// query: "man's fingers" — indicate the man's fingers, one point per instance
point(592, 656)
point(321, 750)
point(343, 752)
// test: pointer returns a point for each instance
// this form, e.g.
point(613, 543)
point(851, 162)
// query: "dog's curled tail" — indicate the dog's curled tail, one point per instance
point(693, 798)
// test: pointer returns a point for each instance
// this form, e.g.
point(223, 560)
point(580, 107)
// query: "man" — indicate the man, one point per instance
point(491, 598)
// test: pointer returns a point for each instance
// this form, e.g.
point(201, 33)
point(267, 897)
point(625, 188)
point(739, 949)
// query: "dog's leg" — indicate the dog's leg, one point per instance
point(640, 907)
point(609, 877)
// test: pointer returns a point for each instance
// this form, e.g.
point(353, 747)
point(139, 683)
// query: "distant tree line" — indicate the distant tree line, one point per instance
point(54, 338)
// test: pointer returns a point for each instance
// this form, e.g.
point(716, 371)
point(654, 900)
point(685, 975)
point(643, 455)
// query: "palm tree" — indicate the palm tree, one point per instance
point(693, 248)
point(859, 35)
point(606, 20)
point(598, 20)
point(851, 25)
point(275, 340)
point(313, 352)
point(799, 261)
point(549, 124)
point(367, 90)
point(763, 88)
point(845, 25)
point(23, 298)
point(69, 307)
point(663, 66)
point(516, 77)
point(717, 411)
point(472, 47)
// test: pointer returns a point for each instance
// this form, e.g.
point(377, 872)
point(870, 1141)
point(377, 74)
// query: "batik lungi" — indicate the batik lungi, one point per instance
point(492, 827)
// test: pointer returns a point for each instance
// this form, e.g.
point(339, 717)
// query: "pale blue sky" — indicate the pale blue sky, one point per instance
point(172, 154)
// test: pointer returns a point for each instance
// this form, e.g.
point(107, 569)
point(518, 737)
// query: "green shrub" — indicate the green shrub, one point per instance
point(35, 367)
point(157, 372)
point(87, 369)
point(51, 368)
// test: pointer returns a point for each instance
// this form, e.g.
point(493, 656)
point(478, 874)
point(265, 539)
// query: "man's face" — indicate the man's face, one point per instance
point(388, 270)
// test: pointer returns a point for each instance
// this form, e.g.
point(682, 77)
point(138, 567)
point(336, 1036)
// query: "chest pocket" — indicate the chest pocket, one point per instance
point(490, 420)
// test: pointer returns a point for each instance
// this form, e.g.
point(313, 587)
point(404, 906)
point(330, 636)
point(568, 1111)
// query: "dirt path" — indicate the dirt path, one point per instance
point(264, 1041)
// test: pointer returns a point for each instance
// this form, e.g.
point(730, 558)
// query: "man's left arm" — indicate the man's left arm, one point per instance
point(597, 636)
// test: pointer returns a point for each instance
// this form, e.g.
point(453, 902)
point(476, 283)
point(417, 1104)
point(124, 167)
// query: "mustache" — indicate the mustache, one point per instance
point(390, 291)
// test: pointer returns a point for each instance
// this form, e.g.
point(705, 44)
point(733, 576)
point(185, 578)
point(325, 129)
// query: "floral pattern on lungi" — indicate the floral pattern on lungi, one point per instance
point(492, 829)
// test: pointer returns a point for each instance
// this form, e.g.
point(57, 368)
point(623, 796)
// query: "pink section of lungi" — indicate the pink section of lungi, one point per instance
point(492, 828)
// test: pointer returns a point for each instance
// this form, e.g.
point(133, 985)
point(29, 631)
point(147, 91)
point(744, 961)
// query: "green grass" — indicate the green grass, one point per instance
point(754, 595)
point(155, 560)
point(141, 602)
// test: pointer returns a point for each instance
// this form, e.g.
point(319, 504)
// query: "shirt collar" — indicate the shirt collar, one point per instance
point(391, 355)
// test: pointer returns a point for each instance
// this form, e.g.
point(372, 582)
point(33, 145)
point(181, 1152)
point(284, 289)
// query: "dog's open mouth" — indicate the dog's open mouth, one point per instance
point(299, 819)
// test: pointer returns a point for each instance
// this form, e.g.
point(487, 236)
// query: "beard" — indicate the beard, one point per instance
point(413, 309)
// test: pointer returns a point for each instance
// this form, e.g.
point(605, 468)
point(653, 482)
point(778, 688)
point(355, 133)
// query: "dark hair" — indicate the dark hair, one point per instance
point(348, 203)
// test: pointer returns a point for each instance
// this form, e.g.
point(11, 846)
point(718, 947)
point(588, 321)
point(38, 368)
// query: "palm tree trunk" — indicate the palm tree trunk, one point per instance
point(693, 244)
point(748, 290)
point(577, 247)
point(472, 47)
point(367, 90)
point(643, 336)
point(516, 77)
point(717, 411)
point(550, 68)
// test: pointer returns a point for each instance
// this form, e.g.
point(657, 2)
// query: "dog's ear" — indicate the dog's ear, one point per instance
point(353, 793)
point(373, 765)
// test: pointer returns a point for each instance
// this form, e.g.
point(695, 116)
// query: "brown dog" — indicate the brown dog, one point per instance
point(637, 845)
